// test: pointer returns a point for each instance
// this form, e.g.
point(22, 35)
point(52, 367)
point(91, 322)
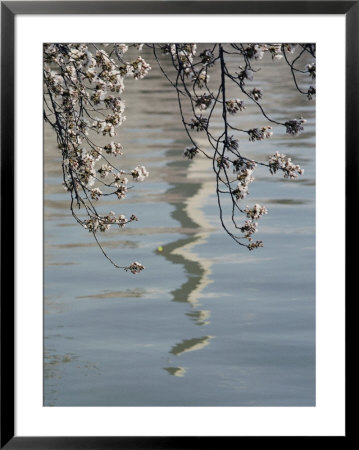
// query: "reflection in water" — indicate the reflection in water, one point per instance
point(112, 244)
point(199, 317)
point(176, 371)
point(55, 367)
point(189, 345)
point(128, 293)
point(53, 361)
point(198, 270)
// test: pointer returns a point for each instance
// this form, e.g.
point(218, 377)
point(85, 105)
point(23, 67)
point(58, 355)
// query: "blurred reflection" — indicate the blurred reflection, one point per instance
point(189, 345)
point(176, 371)
point(128, 293)
point(55, 367)
point(199, 317)
point(190, 216)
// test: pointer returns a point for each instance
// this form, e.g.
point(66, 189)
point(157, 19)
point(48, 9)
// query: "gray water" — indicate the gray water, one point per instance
point(207, 323)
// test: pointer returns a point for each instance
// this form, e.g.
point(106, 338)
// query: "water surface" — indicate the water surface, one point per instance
point(207, 323)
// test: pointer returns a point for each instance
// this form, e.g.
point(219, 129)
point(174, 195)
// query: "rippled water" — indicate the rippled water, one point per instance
point(207, 323)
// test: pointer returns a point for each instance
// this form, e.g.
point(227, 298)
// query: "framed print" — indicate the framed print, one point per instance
point(173, 221)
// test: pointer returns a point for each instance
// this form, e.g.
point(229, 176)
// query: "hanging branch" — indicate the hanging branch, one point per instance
point(83, 84)
point(233, 171)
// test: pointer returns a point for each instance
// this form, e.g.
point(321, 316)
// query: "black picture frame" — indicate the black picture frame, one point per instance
point(9, 10)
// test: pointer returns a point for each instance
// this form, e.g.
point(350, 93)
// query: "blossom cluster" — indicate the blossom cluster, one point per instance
point(234, 105)
point(244, 170)
point(250, 227)
point(199, 123)
point(257, 51)
point(103, 223)
point(295, 126)
point(137, 69)
point(83, 84)
point(183, 54)
point(258, 134)
point(256, 211)
point(244, 75)
point(190, 152)
point(121, 184)
point(256, 244)
point(135, 267)
point(256, 93)
point(311, 69)
point(207, 57)
point(203, 102)
point(183, 58)
point(232, 143)
point(199, 78)
point(113, 148)
point(96, 193)
point(311, 92)
point(282, 162)
point(139, 173)
point(194, 67)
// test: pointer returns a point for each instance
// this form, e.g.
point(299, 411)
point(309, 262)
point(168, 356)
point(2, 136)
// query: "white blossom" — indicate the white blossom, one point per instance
point(282, 162)
point(234, 105)
point(258, 134)
point(295, 126)
point(311, 69)
point(135, 267)
point(255, 212)
point(139, 173)
point(96, 193)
